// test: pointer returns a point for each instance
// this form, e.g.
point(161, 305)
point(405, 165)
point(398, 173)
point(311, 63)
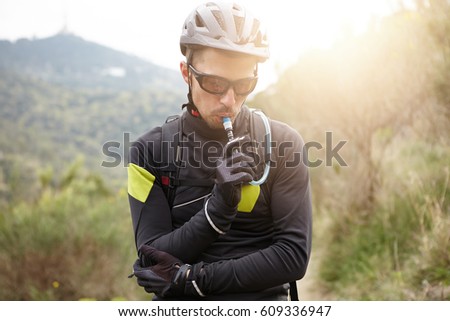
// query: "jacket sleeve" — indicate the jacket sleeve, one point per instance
point(150, 212)
point(287, 258)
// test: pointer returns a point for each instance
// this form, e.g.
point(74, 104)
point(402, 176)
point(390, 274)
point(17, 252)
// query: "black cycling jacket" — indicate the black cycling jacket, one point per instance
point(269, 242)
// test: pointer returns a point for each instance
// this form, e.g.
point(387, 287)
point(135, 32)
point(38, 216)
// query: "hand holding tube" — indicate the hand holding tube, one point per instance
point(228, 126)
point(234, 169)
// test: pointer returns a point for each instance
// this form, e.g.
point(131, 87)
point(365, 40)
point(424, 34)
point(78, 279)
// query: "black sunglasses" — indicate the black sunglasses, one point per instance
point(218, 85)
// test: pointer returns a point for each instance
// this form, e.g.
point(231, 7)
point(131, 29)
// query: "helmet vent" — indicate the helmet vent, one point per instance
point(219, 18)
point(199, 22)
point(238, 24)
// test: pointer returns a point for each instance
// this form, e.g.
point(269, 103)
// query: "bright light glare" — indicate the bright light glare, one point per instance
point(295, 26)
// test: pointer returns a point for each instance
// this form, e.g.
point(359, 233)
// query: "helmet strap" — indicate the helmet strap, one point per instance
point(191, 108)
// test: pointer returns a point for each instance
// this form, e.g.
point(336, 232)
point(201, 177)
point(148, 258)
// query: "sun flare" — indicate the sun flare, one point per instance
point(301, 25)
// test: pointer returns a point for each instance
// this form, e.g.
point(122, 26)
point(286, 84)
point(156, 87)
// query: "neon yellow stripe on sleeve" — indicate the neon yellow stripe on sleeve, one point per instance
point(140, 182)
point(249, 196)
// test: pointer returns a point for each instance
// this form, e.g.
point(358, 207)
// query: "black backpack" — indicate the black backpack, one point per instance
point(170, 154)
point(171, 162)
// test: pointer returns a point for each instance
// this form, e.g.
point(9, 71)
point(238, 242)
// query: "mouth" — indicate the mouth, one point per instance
point(225, 115)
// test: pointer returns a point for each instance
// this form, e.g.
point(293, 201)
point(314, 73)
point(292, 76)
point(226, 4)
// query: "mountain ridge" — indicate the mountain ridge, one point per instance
point(70, 60)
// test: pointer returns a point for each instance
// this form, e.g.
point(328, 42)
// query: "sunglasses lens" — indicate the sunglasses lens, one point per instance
point(245, 86)
point(214, 85)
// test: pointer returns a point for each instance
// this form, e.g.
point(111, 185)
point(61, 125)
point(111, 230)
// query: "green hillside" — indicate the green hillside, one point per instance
point(56, 105)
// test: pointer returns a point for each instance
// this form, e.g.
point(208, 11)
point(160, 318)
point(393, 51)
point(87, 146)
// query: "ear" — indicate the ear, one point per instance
point(184, 71)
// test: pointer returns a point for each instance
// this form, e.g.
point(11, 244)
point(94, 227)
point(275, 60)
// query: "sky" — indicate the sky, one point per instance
point(151, 29)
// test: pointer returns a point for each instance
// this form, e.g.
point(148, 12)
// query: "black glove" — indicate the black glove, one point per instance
point(233, 169)
point(161, 263)
point(161, 273)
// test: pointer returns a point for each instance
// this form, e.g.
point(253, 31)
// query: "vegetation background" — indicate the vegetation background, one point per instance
point(382, 223)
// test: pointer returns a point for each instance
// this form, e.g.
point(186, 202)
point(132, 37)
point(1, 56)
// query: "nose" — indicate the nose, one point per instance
point(229, 98)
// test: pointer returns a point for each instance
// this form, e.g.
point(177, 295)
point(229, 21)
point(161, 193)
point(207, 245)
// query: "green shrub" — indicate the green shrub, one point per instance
point(400, 250)
point(72, 243)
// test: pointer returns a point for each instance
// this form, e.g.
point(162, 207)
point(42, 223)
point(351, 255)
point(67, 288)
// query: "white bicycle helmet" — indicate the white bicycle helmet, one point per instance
point(226, 26)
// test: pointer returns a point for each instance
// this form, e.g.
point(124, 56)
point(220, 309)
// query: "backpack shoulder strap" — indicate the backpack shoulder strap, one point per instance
point(171, 160)
point(170, 155)
point(293, 292)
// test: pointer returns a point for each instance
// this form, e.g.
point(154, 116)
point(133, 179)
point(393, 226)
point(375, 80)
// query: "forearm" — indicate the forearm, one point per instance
point(153, 226)
point(261, 270)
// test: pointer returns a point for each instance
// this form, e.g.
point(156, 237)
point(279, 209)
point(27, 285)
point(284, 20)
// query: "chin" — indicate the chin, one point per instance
point(214, 123)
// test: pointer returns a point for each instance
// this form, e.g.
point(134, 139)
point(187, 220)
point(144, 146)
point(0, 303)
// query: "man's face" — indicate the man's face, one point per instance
point(213, 107)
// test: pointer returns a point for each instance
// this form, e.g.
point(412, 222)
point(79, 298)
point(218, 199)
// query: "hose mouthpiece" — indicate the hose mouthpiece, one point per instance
point(228, 126)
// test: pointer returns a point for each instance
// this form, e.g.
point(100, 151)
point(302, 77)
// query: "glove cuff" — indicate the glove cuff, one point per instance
point(192, 286)
point(227, 195)
point(184, 282)
point(179, 280)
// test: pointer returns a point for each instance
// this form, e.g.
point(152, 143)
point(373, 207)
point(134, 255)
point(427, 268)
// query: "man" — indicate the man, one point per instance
point(215, 236)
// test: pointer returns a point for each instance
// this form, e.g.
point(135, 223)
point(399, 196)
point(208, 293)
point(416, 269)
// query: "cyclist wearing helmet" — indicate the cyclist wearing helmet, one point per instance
point(203, 228)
